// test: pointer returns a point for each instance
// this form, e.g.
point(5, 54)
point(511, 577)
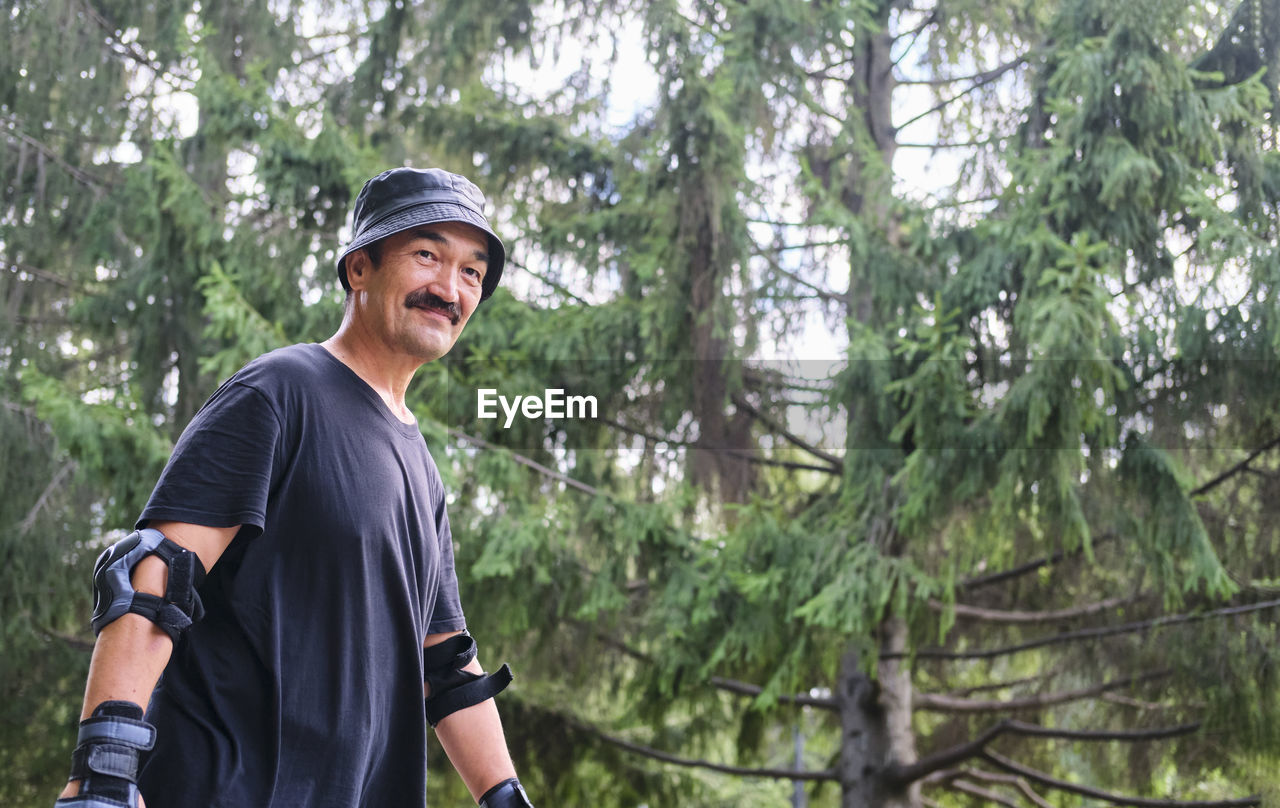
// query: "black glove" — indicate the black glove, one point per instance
point(507, 794)
point(105, 760)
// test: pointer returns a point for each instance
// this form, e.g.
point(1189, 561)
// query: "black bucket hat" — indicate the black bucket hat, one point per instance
point(402, 198)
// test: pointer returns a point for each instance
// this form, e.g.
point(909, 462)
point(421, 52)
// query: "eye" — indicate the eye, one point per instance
point(426, 254)
point(475, 273)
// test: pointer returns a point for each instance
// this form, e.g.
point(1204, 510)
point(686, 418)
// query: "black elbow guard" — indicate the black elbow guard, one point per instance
point(114, 595)
point(453, 688)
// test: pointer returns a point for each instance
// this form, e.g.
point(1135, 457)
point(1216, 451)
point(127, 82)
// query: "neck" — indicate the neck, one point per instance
point(387, 373)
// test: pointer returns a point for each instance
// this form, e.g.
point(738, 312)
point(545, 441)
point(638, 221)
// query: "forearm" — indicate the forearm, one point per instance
point(474, 741)
point(128, 657)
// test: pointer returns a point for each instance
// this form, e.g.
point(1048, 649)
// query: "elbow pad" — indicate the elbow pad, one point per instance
point(114, 595)
point(453, 688)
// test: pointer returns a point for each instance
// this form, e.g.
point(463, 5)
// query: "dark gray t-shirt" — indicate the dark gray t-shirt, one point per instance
point(302, 686)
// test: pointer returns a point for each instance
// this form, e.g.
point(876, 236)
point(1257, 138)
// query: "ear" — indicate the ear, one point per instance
point(359, 265)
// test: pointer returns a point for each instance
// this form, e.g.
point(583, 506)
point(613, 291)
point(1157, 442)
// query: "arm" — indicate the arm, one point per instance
point(472, 737)
point(131, 652)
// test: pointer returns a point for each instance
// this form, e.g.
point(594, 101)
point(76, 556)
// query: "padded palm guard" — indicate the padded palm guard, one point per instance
point(452, 688)
point(114, 595)
point(105, 760)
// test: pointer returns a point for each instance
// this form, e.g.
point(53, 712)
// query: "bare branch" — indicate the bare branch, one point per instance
point(748, 689)
point(986, 794)
point(981, 80)
point(1087, 634)
point(944, 703)
point(533, 464)
point(42, 274)
point(902, 775)
point(30, 520)
point(1234, 470)
point(553, 284)
point(983, 77)
point(824, 294)
point(914, 33)
point(1052, 616)
point(1029, 567)
point(1019, 783)
point(666, 757)
point(83, 177)
point(1117, 799)
point(1127, 735)
point(747, 456)
point(836, 463)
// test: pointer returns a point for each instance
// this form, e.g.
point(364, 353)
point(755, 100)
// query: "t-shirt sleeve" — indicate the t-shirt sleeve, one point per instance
point(221, 469)
point(447, 614)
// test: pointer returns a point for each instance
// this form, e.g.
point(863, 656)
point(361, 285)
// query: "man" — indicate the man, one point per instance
point(303, 486)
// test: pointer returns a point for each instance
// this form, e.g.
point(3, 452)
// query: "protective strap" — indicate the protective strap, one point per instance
point(507, 794)
point(90, 801)
point(452, 654)
point(469, 694)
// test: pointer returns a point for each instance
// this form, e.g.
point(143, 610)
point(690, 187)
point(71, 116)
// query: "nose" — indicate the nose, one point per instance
point(445, 283)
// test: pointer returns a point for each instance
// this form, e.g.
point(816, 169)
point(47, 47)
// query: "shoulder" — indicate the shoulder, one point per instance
point(284, 368)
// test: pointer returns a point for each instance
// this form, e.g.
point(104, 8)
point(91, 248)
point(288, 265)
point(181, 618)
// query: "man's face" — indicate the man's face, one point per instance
point(427, 283)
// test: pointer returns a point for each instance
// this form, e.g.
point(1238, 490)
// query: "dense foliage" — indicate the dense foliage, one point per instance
point(934, 347)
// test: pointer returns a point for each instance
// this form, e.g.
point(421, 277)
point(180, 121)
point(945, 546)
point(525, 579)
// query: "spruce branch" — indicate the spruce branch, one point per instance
point(1044, 779)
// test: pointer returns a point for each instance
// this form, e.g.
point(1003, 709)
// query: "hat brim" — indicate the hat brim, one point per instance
point(430, 213)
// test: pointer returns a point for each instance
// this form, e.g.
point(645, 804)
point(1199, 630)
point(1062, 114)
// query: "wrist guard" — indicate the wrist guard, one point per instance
point(452, 688)
point(507, 794)
point(105, 760)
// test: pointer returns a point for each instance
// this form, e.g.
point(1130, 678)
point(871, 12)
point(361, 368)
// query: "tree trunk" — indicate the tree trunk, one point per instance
point(875, 723)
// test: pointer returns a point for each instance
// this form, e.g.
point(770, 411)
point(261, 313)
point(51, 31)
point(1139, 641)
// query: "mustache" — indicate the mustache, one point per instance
point(422, 299)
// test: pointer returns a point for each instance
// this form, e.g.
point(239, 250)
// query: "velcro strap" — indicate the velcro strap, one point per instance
point(466, 695)
point(185, 574)
point(113, 760)
point(451, 654)
point(167, 616)
point(118, 729)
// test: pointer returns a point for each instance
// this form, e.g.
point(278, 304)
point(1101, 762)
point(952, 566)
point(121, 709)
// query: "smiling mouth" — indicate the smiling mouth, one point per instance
point(437, 312)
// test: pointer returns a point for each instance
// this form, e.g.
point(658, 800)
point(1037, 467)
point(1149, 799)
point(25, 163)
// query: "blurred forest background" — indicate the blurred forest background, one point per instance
point(935, 343)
